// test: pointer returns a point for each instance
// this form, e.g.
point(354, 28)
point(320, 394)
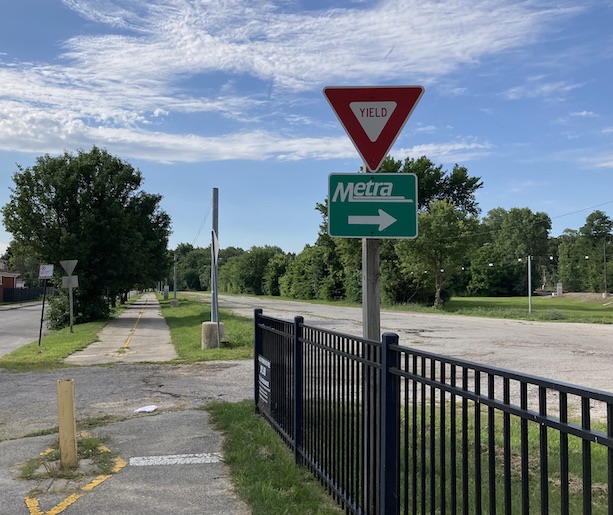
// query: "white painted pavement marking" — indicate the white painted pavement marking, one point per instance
point(176, 459)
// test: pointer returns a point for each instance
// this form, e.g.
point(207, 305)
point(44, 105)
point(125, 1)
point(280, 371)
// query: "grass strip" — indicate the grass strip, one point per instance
point(591, 310)
point(54, 348)
point(185, 323)
point(57, 346)
point(262, 467)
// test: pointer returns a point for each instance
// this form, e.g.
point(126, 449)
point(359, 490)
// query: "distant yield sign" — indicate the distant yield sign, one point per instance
point(372, 205)
point(373, 116)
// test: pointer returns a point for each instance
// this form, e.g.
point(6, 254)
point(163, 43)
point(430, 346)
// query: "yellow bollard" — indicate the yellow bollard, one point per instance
point(67, 423)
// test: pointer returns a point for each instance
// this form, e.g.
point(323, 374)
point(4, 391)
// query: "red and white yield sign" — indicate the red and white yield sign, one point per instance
point(373, 116)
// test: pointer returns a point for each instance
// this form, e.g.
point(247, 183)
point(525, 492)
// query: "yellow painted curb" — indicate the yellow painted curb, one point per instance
point(33, 504)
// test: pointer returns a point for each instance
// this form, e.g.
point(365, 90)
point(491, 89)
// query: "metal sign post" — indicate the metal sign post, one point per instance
point(372, 117)
point(70, 281)
point(44, 272)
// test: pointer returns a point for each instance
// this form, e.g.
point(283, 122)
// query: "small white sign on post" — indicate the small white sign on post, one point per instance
point(45, 272)
point(70, 281)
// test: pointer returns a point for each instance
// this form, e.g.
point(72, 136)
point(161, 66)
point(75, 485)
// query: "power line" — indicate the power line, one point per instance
point(206, 216)
point(584, 209)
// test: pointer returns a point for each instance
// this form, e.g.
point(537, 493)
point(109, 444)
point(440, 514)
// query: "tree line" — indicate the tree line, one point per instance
point(89, 206)
point(456, 252)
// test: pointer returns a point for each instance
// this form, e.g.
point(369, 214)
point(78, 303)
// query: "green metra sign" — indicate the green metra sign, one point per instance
point(372, 205)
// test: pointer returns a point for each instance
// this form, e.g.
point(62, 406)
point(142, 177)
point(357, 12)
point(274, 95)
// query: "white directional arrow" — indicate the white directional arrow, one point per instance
point(383, 220)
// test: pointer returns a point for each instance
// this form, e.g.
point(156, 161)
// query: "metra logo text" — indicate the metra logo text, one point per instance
point(366, 192)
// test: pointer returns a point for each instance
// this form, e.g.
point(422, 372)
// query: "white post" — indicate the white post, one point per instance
point(529, 285)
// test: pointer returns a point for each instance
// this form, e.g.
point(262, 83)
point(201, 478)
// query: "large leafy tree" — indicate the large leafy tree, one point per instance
point(89, 206)
point(434, 183)
point(583, 254)
point(344, 254)
point(306, 275)
point(446, 236)
point(498, 267)
point(247, 272)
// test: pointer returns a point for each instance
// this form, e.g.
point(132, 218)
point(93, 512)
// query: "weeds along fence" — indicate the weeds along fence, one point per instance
point(390, 429)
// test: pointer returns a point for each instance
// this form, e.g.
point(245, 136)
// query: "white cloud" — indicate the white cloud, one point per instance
point(538, 88)
point(115, 86)
point(584, 114)
point(602, 160)
point(521, 187)
point(449, 153)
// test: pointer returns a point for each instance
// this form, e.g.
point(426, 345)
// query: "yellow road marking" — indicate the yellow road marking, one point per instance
point(127, 344)
point(33, 504)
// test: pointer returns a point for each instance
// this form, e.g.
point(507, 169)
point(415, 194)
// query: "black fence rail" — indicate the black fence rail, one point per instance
point(390, 429)
point(25, 294)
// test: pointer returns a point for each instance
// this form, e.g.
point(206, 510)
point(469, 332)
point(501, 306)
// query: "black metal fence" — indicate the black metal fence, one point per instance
point(390, 429)
point(25, 294)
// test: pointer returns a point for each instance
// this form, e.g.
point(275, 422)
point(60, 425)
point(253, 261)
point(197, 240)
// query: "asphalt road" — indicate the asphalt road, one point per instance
point(19, 326)
point(581, 354)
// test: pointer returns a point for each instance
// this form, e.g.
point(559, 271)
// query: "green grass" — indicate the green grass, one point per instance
point(185, 323)
point(88, 447)
point(54, 348)
point(425, 469)
point(263, 468)
point(565, 309)
point(546, 309)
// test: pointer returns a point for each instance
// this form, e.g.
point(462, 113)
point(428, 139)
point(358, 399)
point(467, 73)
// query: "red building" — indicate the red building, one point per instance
point(7, 280)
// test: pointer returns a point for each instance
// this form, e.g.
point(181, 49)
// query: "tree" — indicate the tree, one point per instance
point(246, 272)
point(89, 207)
point(583, 254)
point(344, 254)
point(433, 183)
point(446, 236)
point(275, 269)
point(305, 274)
point(193, 267)
point(498, 267)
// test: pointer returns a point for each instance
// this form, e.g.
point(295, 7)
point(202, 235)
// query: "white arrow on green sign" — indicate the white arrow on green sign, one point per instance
point(372, 205)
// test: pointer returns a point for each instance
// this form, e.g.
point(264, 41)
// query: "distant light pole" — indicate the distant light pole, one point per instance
point(604, 264)
point(174, 302)
point(529, 285)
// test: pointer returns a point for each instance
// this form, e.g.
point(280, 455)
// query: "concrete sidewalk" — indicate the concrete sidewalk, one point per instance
point(172, 459)
point(140, 334)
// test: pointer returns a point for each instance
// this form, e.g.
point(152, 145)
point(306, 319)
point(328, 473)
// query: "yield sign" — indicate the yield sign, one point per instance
point(373, 116)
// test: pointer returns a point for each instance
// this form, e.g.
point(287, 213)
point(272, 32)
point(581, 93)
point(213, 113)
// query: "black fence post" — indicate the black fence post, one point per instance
point(298, 389)
point(257, 342)
point(389, 498)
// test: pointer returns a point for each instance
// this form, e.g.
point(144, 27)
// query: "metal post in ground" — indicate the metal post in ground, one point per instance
point(389, 451)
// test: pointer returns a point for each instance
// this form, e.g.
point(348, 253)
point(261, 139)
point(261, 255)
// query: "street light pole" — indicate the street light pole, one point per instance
point(604, 264)
point(529, 285)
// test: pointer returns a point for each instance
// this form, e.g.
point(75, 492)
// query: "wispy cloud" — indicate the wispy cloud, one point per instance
point(448, 153)
point(538, 87)
point(521, 187)
point(584, 114)
point(603, 160)
point(114, 89)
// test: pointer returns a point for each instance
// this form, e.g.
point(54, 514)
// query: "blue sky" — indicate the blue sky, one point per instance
point(200, 94)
